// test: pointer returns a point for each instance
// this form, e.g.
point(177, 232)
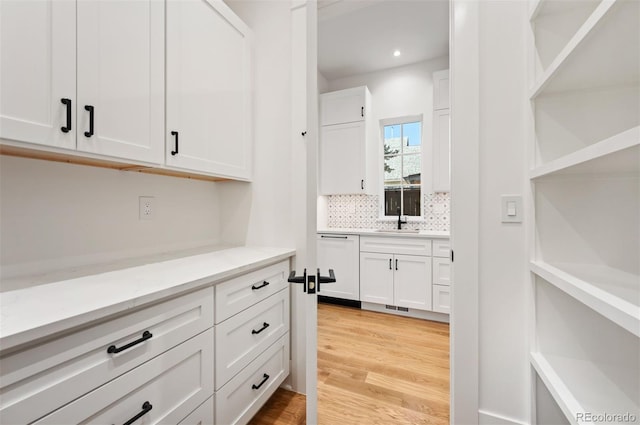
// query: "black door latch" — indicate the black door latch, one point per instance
point(309, 282)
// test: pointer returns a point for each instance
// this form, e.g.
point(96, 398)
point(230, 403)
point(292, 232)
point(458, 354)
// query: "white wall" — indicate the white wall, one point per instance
point(260, 213)
point(56, 215)
point(504, 277)
point(486, 165)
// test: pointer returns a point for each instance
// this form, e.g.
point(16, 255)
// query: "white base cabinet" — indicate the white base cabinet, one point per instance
point(169, 362)
point(342, 254)
point(390, 276)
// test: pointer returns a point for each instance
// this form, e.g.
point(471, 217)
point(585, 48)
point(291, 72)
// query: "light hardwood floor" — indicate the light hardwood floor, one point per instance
point(373, 368)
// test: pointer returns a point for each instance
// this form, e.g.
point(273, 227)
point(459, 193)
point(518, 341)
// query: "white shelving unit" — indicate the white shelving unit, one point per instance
point(585, 168)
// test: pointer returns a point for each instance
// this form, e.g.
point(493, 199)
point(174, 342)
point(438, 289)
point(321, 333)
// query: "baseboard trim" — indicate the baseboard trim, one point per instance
point(339, 301)
point(416, 314)
point(489, 418)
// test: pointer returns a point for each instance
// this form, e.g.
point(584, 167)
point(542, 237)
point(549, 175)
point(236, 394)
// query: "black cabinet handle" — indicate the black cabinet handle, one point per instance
point(67, 103)
point(333, 237)
point(175, 152)
point(264, 283)
point(91, 114)
point(266, 378)
point(146, 407)
point(362, 111)
point(114, 350)
point(362, 184)
point(265, 325)
point(396, 264)
point(390, 264)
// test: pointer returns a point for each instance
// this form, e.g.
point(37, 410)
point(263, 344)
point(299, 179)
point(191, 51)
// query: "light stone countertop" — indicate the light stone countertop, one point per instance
point(387, 233)
point(38, 311)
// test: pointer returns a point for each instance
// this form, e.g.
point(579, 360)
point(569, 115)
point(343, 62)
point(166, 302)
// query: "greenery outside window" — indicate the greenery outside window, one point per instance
point(403, 167)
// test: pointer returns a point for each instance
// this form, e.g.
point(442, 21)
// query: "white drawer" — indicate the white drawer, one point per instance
point(244, 291)
point(441, 299)
point(384, 245)
point(442, 248)
point(441, 271)
point(41, 378)
point(203, 415)
point(239, 400)
point(244, 336)
point(174, 384)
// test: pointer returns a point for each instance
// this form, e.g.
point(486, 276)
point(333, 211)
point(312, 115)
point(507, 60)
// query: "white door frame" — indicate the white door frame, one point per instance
point(465, 202)
point(304, 160)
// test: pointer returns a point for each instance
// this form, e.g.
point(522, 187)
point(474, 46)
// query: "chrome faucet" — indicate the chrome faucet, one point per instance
point(400, 221)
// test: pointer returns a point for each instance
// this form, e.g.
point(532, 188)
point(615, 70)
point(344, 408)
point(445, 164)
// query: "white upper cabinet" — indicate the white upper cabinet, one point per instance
point(38, 71)
point(208, 89)
point(347, 148)
point(441, 151)
point(343, 106)
point(441, 90)
point(120, 105)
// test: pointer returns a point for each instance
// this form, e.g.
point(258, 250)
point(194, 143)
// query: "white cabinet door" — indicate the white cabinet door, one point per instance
point(441, 299)
point(376, 278)
point(412, 281)
point(343, 106)
point(441, 90)
point(208, 89)
point(441, 151)
point(37, 71)
point(121, 78)
point(340, 253)
point(342, 158)
point(441, 271)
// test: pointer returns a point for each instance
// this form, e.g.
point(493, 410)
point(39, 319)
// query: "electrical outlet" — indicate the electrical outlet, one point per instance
point(147, 208)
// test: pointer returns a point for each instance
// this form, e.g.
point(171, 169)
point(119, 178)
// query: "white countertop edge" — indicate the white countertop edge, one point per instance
point(374, 232)
point(118, 291)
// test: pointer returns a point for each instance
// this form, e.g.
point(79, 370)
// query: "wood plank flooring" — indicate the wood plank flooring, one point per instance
point(373, 368)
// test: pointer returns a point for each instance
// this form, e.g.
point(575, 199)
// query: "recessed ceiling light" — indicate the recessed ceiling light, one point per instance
point(396, 53)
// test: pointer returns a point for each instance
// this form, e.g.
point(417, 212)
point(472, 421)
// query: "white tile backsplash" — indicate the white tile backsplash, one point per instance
point(361, 212)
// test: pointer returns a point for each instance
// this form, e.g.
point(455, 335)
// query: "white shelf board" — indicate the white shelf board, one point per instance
point(578, 386)
point(604, 52)
point(617, 154)
point(613, 293)
point(551, 7)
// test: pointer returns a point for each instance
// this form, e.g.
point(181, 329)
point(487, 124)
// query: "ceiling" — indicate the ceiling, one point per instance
point(359, 36)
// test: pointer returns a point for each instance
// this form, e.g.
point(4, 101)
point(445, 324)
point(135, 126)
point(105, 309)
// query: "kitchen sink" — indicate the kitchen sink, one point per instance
point(398, 230)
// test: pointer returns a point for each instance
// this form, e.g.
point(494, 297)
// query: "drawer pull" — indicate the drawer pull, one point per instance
point(146, 407)
point(145, 336)
point(264, 283)
point(265, 325)
point(265, 379)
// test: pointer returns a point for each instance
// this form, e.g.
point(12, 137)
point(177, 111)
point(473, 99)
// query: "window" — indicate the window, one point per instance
point(403, 168)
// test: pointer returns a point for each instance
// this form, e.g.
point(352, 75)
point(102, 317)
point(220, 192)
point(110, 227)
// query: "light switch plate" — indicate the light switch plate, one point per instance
point(511, 208)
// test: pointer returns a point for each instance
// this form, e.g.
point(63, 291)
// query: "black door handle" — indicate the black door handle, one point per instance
point(265, 325)
point(91, 114)
point(266, 378)
point(67, 103)
point(114, 350)
point(175, 152)
point(146, 407)
point(264, 283)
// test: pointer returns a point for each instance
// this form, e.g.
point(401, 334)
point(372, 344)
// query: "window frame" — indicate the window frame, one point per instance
point(399, 121)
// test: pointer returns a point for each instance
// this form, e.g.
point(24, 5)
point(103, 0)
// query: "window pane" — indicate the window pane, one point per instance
point(411, 201)
point(392, 169)
point(392, 135)
point(412, 137)
point(391, 200)
point(412, 169)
